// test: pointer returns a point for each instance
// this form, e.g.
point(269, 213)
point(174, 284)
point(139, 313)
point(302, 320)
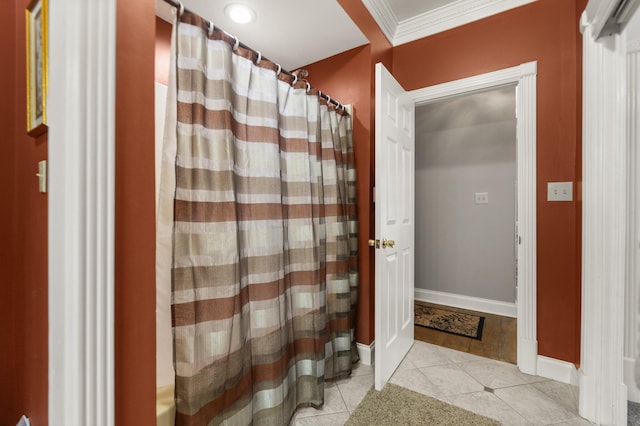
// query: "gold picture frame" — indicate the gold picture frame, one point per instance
point(37, 66)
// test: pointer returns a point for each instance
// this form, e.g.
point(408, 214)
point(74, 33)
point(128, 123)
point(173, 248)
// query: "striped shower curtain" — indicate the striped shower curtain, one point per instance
point(264, 268)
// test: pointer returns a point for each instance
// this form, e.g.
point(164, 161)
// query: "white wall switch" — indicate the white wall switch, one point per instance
point(559, 191)
point(482, 198)
point(42, 176)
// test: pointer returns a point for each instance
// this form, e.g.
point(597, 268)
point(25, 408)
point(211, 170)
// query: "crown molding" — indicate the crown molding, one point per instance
point(444, 18)
point(382, 13)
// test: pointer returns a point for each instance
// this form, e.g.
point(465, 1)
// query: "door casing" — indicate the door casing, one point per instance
point(524, 77)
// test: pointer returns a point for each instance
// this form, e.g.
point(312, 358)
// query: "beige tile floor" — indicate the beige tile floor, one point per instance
point(492, 388)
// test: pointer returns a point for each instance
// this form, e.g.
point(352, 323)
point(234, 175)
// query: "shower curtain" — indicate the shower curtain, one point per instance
point(264, 235)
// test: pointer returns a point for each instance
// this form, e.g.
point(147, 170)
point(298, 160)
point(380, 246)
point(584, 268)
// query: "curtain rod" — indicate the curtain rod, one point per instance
point(180, 8)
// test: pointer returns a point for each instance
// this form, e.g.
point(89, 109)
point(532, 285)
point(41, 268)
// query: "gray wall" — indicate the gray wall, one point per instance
point(466, 145)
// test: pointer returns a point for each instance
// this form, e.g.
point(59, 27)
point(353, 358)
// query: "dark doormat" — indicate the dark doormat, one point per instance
point(467, 325)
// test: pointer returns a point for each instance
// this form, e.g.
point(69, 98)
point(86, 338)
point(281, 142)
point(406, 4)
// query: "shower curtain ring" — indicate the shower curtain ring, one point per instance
point(328, 100)
point(259, 58)
point(308, 87)
point(279, 70)
point(295, 80)
point(211, 27)
point(180, 9)
point(237, 43)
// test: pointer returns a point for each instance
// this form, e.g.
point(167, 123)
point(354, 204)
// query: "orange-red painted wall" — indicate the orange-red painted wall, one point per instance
point(8, 288)
point(23, 226)
point(135, 288)
point(543, 31)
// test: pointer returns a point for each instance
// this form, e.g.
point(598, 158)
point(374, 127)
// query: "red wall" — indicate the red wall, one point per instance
point(135, 292)
point(543, 31)
point(8, 287)
point(23, 260)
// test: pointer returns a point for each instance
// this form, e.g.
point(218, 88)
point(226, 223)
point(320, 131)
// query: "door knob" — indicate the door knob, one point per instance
point(388, 243)
point(374, 243)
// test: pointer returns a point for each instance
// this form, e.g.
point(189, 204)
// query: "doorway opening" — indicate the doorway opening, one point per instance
point(524, 78)
point(465, 203)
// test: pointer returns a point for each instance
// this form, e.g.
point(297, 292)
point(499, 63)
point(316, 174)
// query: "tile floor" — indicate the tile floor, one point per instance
point(492, 388)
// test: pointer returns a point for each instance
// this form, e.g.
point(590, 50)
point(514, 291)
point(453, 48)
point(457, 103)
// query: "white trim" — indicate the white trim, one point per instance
point(81, 111)
point(555, 369)
point(383, 14)
point(598, 13)
point(524, 76)
point(443, 18)
point(632, 280)
point(476, 83)
point(603, 395)
point(633, 387)
point(489, 306)
point(607, 16)
point(366, 353)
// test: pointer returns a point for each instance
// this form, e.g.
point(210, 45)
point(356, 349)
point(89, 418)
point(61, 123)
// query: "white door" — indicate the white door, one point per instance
point(394, 224)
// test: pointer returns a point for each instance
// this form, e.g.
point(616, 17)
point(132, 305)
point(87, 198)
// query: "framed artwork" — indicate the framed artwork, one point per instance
point(37, 66)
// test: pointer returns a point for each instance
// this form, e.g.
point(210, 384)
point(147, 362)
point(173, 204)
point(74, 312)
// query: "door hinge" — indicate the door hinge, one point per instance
point(373, 194)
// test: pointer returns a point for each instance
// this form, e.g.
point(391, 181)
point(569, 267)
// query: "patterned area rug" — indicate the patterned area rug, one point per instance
point(448, 321)
point(633, 414)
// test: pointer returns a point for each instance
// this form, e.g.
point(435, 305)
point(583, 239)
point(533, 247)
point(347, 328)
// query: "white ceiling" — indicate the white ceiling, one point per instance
point(300, 32)
point(403, 21)
point(291, 33)
point(405, 9)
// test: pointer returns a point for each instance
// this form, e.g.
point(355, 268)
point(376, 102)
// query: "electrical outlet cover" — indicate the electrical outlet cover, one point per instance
point(559, 191)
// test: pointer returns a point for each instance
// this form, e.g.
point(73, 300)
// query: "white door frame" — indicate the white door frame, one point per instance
point(81, 144)
point(603, 394)
point(524, 77)
point(632, 287)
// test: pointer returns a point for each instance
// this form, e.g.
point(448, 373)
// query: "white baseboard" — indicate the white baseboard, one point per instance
point(467, 302)
point(560, 371)
point(528, 356)
point(633, 387)
point(366, 353)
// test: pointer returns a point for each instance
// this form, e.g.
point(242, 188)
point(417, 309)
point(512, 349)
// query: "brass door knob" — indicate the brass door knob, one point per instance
point(388, 243)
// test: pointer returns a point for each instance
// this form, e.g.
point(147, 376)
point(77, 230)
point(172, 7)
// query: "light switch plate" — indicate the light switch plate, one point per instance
point(559, 191)
point(482, 198)
point(42, 176)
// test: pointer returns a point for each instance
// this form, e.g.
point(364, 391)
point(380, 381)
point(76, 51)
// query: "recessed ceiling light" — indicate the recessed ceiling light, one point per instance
point(240, 13)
